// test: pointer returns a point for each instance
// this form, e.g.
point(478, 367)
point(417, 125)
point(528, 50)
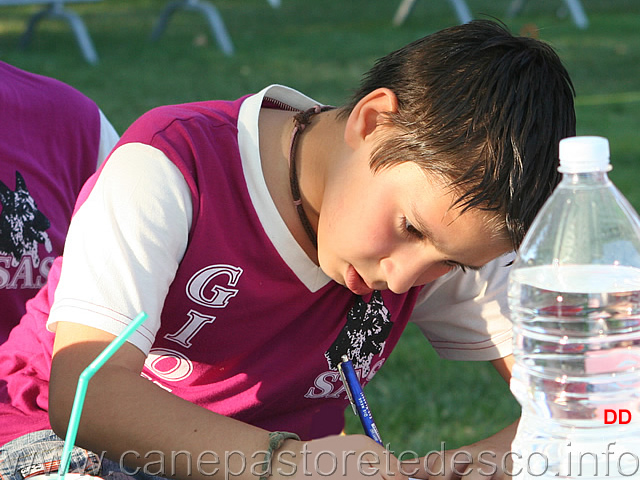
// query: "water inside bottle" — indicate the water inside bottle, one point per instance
point(577, 346)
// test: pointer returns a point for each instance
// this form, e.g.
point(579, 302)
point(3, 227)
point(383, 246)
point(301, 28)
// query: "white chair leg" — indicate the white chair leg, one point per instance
point(462, 10)
point(403, 12)
point(577, 13)
point(208, 10)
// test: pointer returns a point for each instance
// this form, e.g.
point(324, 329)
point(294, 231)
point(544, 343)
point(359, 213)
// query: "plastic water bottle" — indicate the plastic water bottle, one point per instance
point(574, 296)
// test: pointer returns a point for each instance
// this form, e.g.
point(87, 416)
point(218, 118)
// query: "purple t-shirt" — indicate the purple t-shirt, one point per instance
point(240, 333)
point(48, 148)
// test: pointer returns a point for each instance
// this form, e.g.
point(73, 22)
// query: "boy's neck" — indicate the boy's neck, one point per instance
point(315, 149)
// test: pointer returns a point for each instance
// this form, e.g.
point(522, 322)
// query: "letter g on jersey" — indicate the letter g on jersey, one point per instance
point(205, 290)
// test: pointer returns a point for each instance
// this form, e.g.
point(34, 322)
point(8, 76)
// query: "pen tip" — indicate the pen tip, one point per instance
point(345, 358)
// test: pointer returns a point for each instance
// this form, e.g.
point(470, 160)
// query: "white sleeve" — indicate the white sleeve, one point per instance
point(465, 314)
point(108, 139)
point(124, 245)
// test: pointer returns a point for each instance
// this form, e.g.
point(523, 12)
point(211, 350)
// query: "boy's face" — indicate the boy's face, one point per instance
point(394, 229)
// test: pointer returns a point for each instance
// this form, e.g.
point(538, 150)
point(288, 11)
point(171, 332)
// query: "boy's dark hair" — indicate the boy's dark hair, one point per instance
point(483, 109)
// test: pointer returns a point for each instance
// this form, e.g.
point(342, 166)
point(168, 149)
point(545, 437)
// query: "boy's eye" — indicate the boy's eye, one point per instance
point(410, 229)
point(454, 265)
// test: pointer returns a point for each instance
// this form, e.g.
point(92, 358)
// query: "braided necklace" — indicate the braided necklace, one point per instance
point(301, 120)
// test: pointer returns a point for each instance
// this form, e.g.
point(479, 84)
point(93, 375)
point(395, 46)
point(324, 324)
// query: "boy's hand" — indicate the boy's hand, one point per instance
point(488, 459)
point(345, 457)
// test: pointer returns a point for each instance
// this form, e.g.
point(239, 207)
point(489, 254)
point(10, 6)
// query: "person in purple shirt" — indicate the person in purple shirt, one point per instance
point(268, 236)
point(52, 139)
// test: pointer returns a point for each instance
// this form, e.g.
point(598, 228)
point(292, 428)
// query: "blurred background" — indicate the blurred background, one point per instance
point(322, 48)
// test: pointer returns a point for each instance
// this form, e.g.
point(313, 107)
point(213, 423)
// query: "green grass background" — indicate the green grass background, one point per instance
point(322, 48)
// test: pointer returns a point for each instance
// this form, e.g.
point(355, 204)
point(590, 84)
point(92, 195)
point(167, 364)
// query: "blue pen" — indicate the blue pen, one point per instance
point(357, 398)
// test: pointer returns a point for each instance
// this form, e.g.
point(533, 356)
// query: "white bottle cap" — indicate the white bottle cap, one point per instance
point(584, 154)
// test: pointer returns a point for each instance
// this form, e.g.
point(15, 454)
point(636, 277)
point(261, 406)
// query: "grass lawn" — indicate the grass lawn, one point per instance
point(322, 48)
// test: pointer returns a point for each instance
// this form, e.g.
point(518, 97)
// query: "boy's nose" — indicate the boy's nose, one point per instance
point(403, 273)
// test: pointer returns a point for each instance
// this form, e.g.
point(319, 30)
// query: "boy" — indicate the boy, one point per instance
point(53, 139)
point(269, 236)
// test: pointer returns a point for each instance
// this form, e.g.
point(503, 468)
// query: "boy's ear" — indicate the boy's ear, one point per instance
point(368, 115)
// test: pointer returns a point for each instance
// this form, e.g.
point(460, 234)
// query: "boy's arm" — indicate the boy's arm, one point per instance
point(504, 366)
point(486, 459)
point(128, 416)
point(140, 424)
point(108, 139)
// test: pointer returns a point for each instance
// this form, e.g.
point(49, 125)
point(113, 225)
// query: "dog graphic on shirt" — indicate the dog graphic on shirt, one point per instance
point(22, 225)
point(363, 336)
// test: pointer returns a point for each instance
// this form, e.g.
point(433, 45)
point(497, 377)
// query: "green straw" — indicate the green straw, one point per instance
point(81, 390)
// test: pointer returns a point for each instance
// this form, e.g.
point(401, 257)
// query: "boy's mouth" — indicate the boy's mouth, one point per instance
point(354, 282)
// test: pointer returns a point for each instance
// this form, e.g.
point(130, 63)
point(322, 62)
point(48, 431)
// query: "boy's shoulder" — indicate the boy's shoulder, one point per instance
point(182, 120)
point(217, 111)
